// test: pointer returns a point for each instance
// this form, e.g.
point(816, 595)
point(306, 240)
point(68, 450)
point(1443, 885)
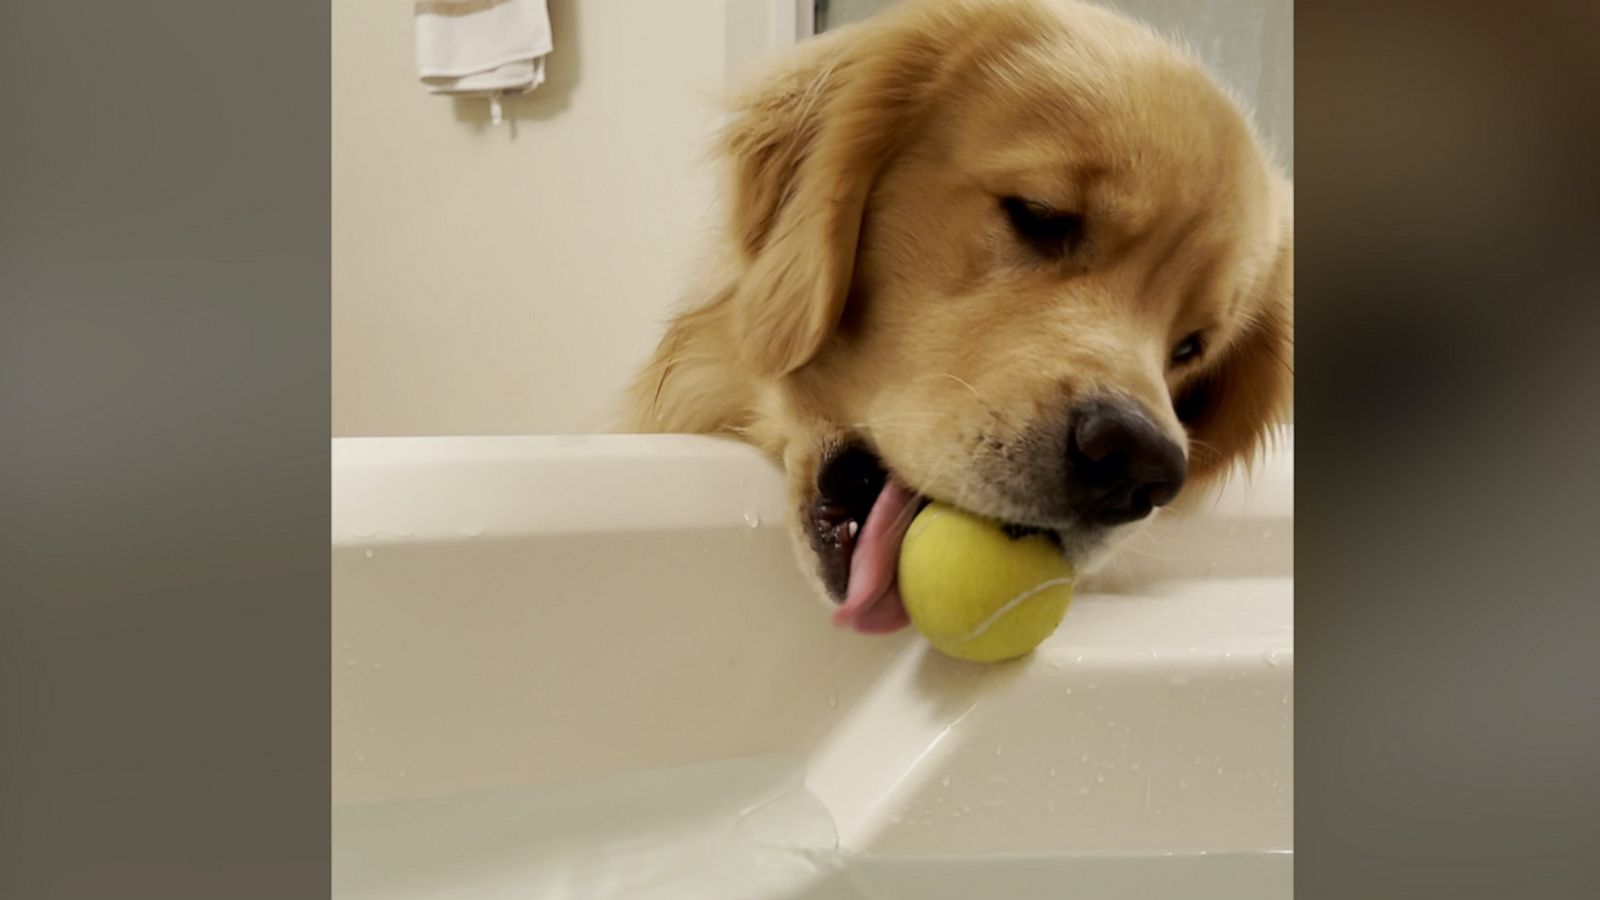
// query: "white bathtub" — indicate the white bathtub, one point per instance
point(588, 667)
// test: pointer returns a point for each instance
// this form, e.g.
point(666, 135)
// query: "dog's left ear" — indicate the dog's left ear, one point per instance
point(1230, 410)
point(806, 149)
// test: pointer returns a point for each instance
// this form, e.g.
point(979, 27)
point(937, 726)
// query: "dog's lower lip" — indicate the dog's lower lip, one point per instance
point(848, 486)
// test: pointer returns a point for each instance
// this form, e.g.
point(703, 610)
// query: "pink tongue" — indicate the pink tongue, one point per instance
point(872, 600)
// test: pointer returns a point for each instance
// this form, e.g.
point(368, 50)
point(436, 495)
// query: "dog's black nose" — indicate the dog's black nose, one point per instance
point(1121, 464)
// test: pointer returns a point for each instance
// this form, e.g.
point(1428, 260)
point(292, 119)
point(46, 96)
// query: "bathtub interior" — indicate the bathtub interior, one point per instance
point(589, 667)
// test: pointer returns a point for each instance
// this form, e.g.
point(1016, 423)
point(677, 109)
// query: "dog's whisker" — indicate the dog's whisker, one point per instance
point(968, 482)
point(1205, 446)
point(884, 423)
point(1145, 553)
point(961, 381)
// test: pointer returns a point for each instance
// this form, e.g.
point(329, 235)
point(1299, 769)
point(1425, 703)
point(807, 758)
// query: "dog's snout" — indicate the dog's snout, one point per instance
point(1121, 464)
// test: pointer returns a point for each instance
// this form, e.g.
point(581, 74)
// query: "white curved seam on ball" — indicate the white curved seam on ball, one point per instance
point(923, 521)
point(1014, 602)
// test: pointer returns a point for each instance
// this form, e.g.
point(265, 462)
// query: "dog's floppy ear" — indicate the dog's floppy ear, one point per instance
point(805, 150)
point(1230, 410)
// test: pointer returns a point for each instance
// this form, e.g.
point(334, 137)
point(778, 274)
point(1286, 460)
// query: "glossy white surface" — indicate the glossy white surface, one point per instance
point(516, 615)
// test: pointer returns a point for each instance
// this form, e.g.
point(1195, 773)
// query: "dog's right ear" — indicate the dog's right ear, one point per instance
point(1231, 410)
point(805, 150)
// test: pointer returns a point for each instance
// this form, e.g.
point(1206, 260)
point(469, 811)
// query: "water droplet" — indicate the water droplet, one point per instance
point(1219, 770)
point(369, 554)
point(1271, 658)
point(1083, 792)
point(752, 519)
point(1084, 758)
point(361, 757)
point(1052, 771)
point(377, 665)
point(1266, 533)
point(966, 808)
point(350, 663)
point(1134, 766)
point(402, 773)
point(1100, 777)
point(1069, 690)
point(1050, 806)
point(945, 781)
point(997, 749)
point(955, 813)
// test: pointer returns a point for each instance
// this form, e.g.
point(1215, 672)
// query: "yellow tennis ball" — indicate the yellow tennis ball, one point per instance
point(975, 592)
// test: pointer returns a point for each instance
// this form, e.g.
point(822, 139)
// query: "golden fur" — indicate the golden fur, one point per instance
point(867, 283)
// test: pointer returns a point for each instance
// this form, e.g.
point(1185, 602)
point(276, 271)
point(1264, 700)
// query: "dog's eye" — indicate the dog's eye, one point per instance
point(1047, 230)
point(1188, 349)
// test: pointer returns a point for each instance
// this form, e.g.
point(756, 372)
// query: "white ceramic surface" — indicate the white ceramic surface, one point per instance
point(516, 615)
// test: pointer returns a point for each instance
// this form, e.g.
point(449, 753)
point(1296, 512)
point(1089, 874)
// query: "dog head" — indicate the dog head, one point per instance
point(1018, 256)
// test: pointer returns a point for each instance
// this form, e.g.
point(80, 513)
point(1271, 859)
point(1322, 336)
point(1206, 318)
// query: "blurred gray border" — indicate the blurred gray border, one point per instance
point(164, 281)
point(1447, 731)
point(164, 471)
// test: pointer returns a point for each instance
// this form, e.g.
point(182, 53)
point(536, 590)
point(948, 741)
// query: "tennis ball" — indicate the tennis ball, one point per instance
point(975, 592)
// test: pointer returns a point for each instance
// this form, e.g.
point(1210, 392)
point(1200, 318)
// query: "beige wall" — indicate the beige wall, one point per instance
point(507, 279)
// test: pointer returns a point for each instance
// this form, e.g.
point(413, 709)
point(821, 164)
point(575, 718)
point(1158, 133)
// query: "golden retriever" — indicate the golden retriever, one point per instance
point(1020, 256)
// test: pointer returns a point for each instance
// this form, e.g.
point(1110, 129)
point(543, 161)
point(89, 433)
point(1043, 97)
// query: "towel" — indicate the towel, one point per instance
point(485, 48)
